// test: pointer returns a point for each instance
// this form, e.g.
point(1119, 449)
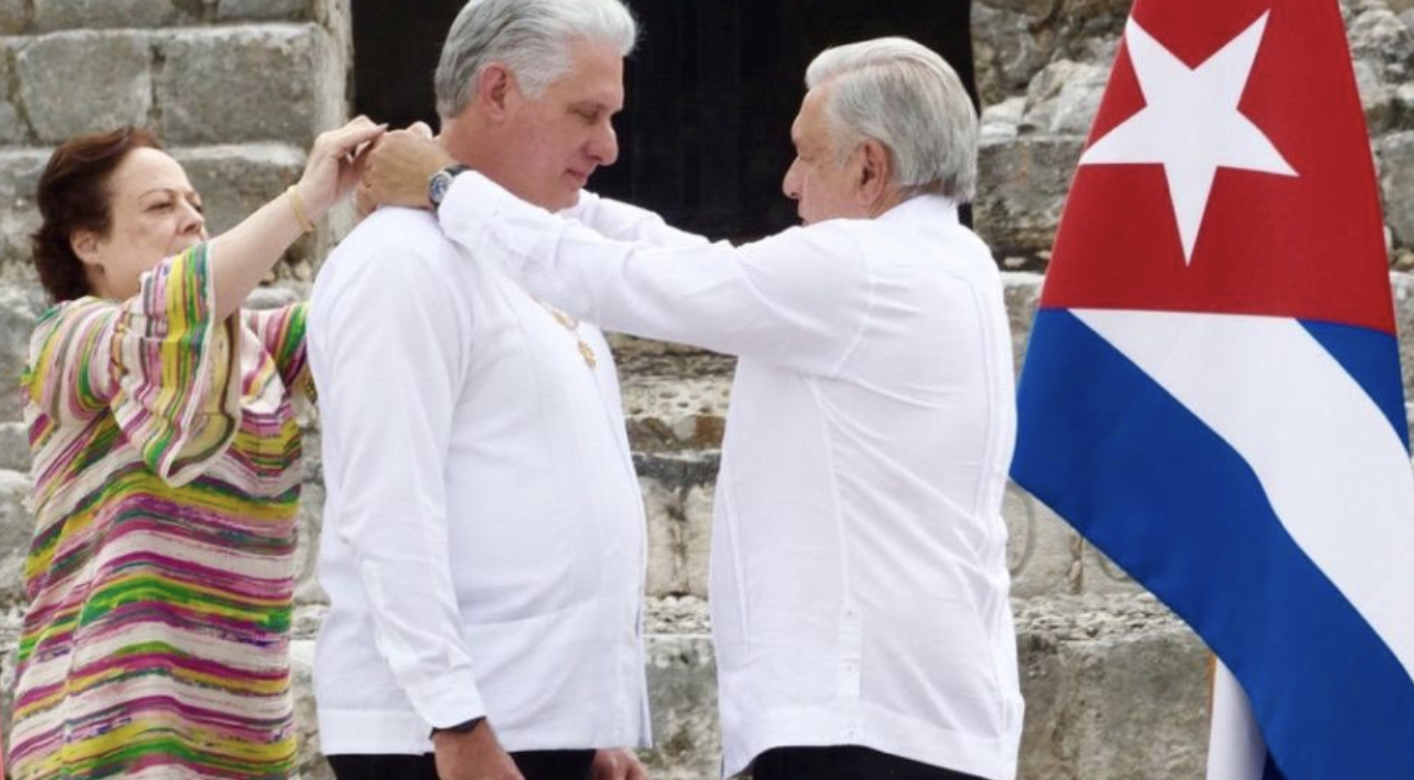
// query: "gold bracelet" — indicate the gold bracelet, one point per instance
point(297, 206)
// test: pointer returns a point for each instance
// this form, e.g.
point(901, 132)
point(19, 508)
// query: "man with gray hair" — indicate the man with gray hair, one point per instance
point(484, 540)
point(859, 582)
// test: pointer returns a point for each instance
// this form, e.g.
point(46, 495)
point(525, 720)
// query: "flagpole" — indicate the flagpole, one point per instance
point(1235, 747)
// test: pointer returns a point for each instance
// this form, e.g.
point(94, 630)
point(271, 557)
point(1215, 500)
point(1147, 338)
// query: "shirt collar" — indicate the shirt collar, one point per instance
point(930, 207)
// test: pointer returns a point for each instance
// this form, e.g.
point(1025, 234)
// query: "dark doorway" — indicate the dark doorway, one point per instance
point(712, 91)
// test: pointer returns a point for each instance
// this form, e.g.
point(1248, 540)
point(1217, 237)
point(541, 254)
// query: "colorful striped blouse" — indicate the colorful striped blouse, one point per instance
point(160, 577)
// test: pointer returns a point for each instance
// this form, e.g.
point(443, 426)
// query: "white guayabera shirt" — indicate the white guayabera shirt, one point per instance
point(483, 545)
point(859, 582)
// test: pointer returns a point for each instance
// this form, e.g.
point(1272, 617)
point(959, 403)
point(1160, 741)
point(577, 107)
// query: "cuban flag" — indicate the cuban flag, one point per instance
point(1212, 392)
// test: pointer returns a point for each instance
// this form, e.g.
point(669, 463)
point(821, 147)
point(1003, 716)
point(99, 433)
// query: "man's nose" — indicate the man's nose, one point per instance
point(791, 184)
point(604, 147)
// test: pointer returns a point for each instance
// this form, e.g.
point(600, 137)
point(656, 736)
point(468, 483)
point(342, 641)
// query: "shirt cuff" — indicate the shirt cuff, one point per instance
point(448, 700)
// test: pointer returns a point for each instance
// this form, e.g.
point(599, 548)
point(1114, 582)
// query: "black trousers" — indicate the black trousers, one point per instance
point(533, 764)
point(844, 762)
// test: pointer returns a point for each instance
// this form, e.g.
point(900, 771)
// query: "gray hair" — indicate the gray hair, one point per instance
point(905, 96)
point(531, 37)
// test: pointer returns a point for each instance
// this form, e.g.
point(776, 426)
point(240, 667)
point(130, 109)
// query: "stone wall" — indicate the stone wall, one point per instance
point(1115, 685)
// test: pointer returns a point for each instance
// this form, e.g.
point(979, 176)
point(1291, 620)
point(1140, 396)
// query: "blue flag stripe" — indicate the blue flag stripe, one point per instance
point(1175, 506)
point(1372, 359)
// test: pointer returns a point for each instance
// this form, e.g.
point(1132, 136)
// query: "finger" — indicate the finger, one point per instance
point(420, 129)
point(363, 201)
point(349, 137)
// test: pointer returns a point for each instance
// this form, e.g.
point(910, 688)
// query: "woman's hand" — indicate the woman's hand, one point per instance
point(329, 173)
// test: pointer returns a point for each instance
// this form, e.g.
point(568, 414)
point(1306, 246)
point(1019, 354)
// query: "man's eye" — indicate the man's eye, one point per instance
point(160, 206)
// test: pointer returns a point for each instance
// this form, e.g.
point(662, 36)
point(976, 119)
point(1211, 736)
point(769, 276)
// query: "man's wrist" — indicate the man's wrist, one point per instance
point(465, 727)
point(439, 183)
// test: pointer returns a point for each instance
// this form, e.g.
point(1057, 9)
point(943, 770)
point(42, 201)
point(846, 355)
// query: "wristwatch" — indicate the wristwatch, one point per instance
point(465, 727)
point(440, 182)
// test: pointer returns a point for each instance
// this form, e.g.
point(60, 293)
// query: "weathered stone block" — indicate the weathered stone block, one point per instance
point(99, 14)
point(19, 308)
point(1396, 157)
point(82, 82)
point(674, 413)
point(19, 175)
point(16, 528)
point(1023, 294)
point(1378, 36)
point(1101, 576)
point(311, 513)
point(1023, 184)
point(1064, 98)
point(1402, 285)
point(14, 16)
point(679, 537)
point(682, 695)
point(1008, 48)
point(1043, 553)
point(14, 447)
point(282, 10)
point(13, 128)
point(311, 763)
point(235, 181)
point(280, 83)
point(1115, 689)
point(1014, 39)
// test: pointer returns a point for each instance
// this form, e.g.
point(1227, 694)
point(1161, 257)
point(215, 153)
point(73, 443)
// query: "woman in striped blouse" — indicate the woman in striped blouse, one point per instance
point(160, 576)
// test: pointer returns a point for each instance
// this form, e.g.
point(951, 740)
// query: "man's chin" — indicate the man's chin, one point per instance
point(567, 200)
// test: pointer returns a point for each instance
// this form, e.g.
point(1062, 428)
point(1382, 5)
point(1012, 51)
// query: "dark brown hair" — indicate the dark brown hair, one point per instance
point(73, 195)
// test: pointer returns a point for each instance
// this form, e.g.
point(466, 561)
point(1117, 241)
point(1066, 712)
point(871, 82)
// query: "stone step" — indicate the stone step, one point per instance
point(281, 83)
point(19, 17)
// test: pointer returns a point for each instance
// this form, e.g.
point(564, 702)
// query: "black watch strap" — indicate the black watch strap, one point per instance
point(441, 182)
point(465, 727)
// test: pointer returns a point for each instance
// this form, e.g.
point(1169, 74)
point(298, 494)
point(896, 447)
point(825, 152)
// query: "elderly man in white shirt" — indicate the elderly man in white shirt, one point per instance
point(484, 536)
point(859, 583)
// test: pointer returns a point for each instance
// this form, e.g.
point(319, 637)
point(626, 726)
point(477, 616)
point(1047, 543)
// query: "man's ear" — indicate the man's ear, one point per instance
point(493, 89)
point(875, 171)
point(85, 245)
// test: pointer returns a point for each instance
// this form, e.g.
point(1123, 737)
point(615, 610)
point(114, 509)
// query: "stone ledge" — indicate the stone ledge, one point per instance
point(80, 81)
point(28, 16)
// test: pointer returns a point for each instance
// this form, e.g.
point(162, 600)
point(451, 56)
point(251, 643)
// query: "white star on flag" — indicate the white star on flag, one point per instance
point(1190, 123)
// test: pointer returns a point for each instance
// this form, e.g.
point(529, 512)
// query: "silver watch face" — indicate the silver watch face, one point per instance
point(437, 187)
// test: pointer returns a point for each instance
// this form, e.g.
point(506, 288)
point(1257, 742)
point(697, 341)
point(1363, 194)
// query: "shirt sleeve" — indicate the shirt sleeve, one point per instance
point(389, 357)
point(800, 299)
point(625, 222)
point(157, 361)
point(282, 335)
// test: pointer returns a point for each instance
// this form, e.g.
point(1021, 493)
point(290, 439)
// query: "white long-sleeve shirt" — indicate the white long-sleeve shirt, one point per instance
point(859, 582)
point(484, 543)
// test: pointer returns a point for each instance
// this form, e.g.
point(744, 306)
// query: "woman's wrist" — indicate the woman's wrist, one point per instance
point(300, 210)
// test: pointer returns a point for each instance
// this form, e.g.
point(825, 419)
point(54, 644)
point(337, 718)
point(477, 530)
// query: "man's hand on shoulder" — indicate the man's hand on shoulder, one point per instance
point(473, 755)
point(618, 764)
point(396, 170)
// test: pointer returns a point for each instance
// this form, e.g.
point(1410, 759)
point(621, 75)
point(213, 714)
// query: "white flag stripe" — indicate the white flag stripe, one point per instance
point(1235, 747)
point(1334, 470)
